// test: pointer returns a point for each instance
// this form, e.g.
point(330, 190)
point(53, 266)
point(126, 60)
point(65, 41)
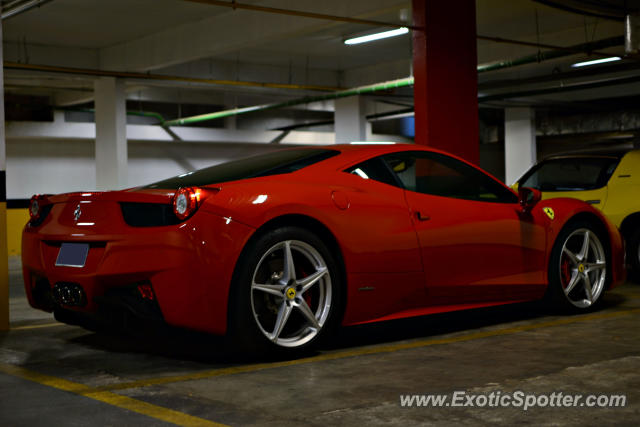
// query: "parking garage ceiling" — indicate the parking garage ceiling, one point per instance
point(204, 47)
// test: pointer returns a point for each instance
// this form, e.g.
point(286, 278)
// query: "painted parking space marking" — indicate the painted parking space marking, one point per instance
point(38, 326)
point(106, 394)
point(110, 398)
point(386, 348)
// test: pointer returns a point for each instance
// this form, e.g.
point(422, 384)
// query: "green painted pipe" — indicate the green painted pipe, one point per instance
point(408, 81)
point(393, 84)
point(153, 114)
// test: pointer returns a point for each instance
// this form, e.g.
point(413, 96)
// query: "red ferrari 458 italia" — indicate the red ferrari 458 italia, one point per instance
point(277, 250)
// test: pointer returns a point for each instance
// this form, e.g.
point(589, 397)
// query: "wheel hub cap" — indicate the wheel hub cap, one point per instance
point(291, 293)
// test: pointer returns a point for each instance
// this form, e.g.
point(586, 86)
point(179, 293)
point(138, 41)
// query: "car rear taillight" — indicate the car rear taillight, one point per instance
point(39, 208)
point(34, 208)
point(186, 201)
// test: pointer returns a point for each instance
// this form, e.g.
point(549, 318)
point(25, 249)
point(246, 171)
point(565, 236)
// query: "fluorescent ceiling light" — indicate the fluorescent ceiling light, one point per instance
point(377, 36)
point(596, 61)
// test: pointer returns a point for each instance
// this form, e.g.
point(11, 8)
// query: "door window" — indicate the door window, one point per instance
point(440, 175)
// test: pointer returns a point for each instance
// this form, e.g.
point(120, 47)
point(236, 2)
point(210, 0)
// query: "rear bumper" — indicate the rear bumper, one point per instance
point(189, 267)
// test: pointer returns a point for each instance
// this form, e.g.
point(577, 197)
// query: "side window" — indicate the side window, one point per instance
point(374, 169)
point(441, 175)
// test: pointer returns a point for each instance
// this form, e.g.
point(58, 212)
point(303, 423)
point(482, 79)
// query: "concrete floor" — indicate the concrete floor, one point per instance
point(53, 374)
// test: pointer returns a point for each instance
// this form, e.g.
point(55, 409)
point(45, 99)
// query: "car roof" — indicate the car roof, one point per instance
point(375, 149)
point(618, 153)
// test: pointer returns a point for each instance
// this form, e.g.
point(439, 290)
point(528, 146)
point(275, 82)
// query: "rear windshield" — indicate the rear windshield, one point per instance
point(570, 174)
point(278, 162)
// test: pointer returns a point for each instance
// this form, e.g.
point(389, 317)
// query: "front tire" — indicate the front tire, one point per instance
point(286, 293)
point(578, 268)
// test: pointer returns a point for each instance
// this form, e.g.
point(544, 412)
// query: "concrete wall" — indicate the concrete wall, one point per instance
point(40, 166)
point(36, 166)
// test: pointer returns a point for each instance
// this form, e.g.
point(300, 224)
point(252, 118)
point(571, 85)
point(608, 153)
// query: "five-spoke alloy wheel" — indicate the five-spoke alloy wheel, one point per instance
point(583, 268)
point(291, 293)
point(286, 292)
point(578, 273)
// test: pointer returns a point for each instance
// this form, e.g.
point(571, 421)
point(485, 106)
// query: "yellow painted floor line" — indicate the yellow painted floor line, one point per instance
point(43, 325)
point(365, 351)
point(119, 401)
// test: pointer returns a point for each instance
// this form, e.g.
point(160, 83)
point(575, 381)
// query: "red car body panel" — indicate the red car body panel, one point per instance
point(468, 254)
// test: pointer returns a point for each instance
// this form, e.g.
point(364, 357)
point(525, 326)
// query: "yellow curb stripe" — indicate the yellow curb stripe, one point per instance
point(119, 401)
point(365, 351)
point(44, 325)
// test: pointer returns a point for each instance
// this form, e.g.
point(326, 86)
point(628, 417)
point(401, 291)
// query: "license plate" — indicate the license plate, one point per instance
point(72, 255)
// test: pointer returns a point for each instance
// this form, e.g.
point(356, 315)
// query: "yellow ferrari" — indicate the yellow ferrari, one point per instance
point(608, 181)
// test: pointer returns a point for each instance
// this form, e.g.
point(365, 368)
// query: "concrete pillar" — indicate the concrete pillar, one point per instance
point(446, 81)
point(350, 120)
point(4, 260)
point(111, 134)
point(519, 142)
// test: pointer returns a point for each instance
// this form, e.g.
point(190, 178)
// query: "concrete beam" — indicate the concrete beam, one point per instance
point(61, 56)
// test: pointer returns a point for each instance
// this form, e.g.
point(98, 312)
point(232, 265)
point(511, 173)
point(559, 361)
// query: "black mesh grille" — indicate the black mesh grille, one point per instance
point(148, 214)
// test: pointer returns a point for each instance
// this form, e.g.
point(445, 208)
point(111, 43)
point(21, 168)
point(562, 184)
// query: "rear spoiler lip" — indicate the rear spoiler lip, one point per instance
point(133, 195)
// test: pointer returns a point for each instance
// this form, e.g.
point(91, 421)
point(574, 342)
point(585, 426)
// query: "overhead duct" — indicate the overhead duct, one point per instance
point(632, 34)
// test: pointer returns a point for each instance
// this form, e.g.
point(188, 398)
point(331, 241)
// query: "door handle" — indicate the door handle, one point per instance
point(422, 217)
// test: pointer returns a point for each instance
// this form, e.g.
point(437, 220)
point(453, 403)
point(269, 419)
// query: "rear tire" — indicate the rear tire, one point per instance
point(578, 270)
point(285, 296)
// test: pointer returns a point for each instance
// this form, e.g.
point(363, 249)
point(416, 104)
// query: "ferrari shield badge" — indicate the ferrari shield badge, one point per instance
point(549, 212)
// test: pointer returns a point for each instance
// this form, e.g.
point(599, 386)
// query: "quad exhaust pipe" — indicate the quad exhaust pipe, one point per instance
point(69, 294)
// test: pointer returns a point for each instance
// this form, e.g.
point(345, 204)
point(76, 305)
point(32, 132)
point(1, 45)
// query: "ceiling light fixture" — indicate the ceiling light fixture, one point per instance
point(596, 61)
point(377, 36)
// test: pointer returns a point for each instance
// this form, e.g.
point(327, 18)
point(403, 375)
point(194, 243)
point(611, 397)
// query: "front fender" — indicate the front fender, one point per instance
point(566, 210)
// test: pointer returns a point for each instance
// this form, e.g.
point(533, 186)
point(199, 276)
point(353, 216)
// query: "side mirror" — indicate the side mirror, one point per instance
point(528, 197)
